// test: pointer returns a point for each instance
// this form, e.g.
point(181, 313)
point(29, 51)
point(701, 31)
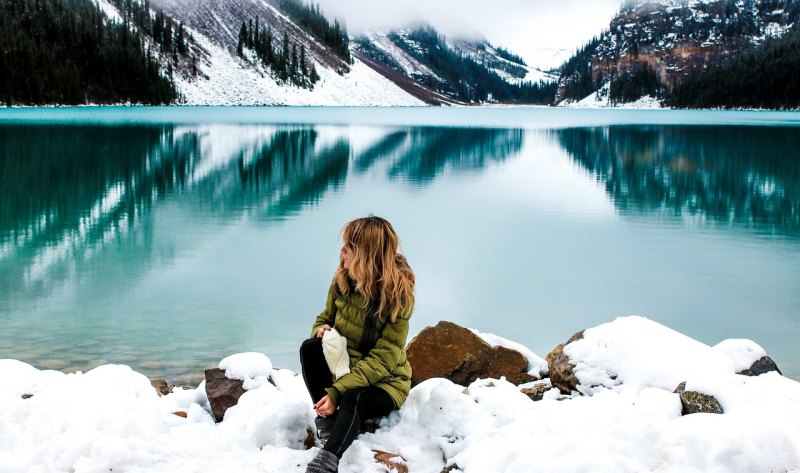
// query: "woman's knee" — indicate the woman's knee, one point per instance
point(311, 346)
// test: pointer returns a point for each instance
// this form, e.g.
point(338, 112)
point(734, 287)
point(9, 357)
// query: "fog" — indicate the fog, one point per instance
point(523, 26)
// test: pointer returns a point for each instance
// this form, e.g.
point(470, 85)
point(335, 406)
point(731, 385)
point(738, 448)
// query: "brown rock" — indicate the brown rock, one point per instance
point(447, 351)
point(310, 439)
point(180, 414)
point(562, 374)
point(161, 386)
point(386, 459)
point(456, 353)
point(761, 366)
point(536, 393)
point(509, 363)
point(222, 392)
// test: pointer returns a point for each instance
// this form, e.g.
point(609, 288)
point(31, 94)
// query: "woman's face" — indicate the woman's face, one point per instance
point(347, 255)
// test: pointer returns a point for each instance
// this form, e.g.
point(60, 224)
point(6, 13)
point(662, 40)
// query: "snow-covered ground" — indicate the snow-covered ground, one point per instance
point(599, 99)
point(629, 420)
point(231, 81)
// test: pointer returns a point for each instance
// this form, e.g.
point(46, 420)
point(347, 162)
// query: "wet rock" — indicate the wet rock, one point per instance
point(693, 402)
point(761, 366)
point(456, 353)
point(223, 393)
point(562, 374)
point(391, 461)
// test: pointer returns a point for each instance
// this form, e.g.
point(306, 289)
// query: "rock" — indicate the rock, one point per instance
point(181, 414)
point(387, 459)
point(161, 386)
point(449, 468)
point(308, 443)
point(761, 366)
point(694, 402)
point(562, 374)
point(27, 396)
point(509, 363)
point(222, 392)
point(536, 393)
point(456, 353)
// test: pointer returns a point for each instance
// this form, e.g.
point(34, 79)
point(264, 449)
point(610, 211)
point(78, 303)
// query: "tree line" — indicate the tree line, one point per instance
point(762, 77)
point(465, 79)
point(289, 63)
point(67, 52)
point(311, 19)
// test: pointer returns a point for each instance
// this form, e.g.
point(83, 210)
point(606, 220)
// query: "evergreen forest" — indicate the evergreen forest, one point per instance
point(763, 77)
point(289, 62)
point(311, 19)
point(466, 80)
point(67, 52)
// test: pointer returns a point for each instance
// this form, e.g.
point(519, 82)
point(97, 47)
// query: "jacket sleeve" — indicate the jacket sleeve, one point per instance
point(379, 363)
point(328, 315)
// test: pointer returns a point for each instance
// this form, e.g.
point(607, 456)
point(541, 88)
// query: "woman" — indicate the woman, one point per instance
point(369, 304)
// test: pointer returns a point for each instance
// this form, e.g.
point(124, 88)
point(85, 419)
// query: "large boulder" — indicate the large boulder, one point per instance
point(562, 371)
point(761, 366)
point(223, 393)
point(456, 353)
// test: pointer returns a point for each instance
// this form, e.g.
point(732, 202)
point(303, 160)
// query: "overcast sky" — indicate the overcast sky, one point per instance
point(522, 26)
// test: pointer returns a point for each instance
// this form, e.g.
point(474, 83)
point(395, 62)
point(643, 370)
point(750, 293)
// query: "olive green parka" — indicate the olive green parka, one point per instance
point(385, 366)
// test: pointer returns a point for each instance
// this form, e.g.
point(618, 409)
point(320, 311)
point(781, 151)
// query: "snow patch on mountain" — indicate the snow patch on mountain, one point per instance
point(599, 99)
point(224, 79)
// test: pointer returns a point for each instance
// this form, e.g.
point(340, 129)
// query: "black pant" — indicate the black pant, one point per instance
point(355, 404)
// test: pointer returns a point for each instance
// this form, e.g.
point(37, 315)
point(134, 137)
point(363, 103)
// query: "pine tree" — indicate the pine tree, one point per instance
point(242, 40)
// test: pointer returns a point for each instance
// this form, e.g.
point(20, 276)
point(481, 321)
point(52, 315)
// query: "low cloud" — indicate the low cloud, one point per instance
point(523, 26)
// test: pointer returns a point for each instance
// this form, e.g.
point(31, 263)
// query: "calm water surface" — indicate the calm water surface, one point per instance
point(167, 239)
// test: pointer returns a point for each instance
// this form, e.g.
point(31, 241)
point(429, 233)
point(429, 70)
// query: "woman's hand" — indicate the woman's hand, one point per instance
point(325, 406)
point(322, 330)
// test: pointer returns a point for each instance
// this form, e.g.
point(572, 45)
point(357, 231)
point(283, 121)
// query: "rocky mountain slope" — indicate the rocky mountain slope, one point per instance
point(652, 47)
point(439, 69)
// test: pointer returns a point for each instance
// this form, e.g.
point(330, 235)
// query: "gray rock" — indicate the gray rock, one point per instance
point(761, 366)
point(223, 393)
point(693, 402)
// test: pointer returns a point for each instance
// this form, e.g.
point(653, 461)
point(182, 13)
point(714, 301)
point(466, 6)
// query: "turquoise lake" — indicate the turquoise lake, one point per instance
point(169, 238)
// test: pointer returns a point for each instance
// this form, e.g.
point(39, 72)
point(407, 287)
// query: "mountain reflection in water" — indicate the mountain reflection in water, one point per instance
point(747, 176)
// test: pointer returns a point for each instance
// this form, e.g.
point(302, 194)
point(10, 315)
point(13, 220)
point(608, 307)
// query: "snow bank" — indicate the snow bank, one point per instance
point(110, 418)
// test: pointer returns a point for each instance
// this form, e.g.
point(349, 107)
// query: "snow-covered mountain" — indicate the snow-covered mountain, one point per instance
point(220, 76)
point(440, 69)
point(653, 46)
point(392, 68)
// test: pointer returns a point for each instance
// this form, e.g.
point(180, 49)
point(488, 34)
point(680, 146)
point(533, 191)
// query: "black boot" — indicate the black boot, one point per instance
point(324, 428)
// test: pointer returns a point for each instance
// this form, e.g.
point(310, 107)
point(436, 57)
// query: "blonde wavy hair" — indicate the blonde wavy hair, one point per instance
point(377, 270)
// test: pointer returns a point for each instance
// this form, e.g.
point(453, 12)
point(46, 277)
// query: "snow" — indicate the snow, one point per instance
point(225, 79)
point(252, 368)
point(111, 419)
point(599, 99)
